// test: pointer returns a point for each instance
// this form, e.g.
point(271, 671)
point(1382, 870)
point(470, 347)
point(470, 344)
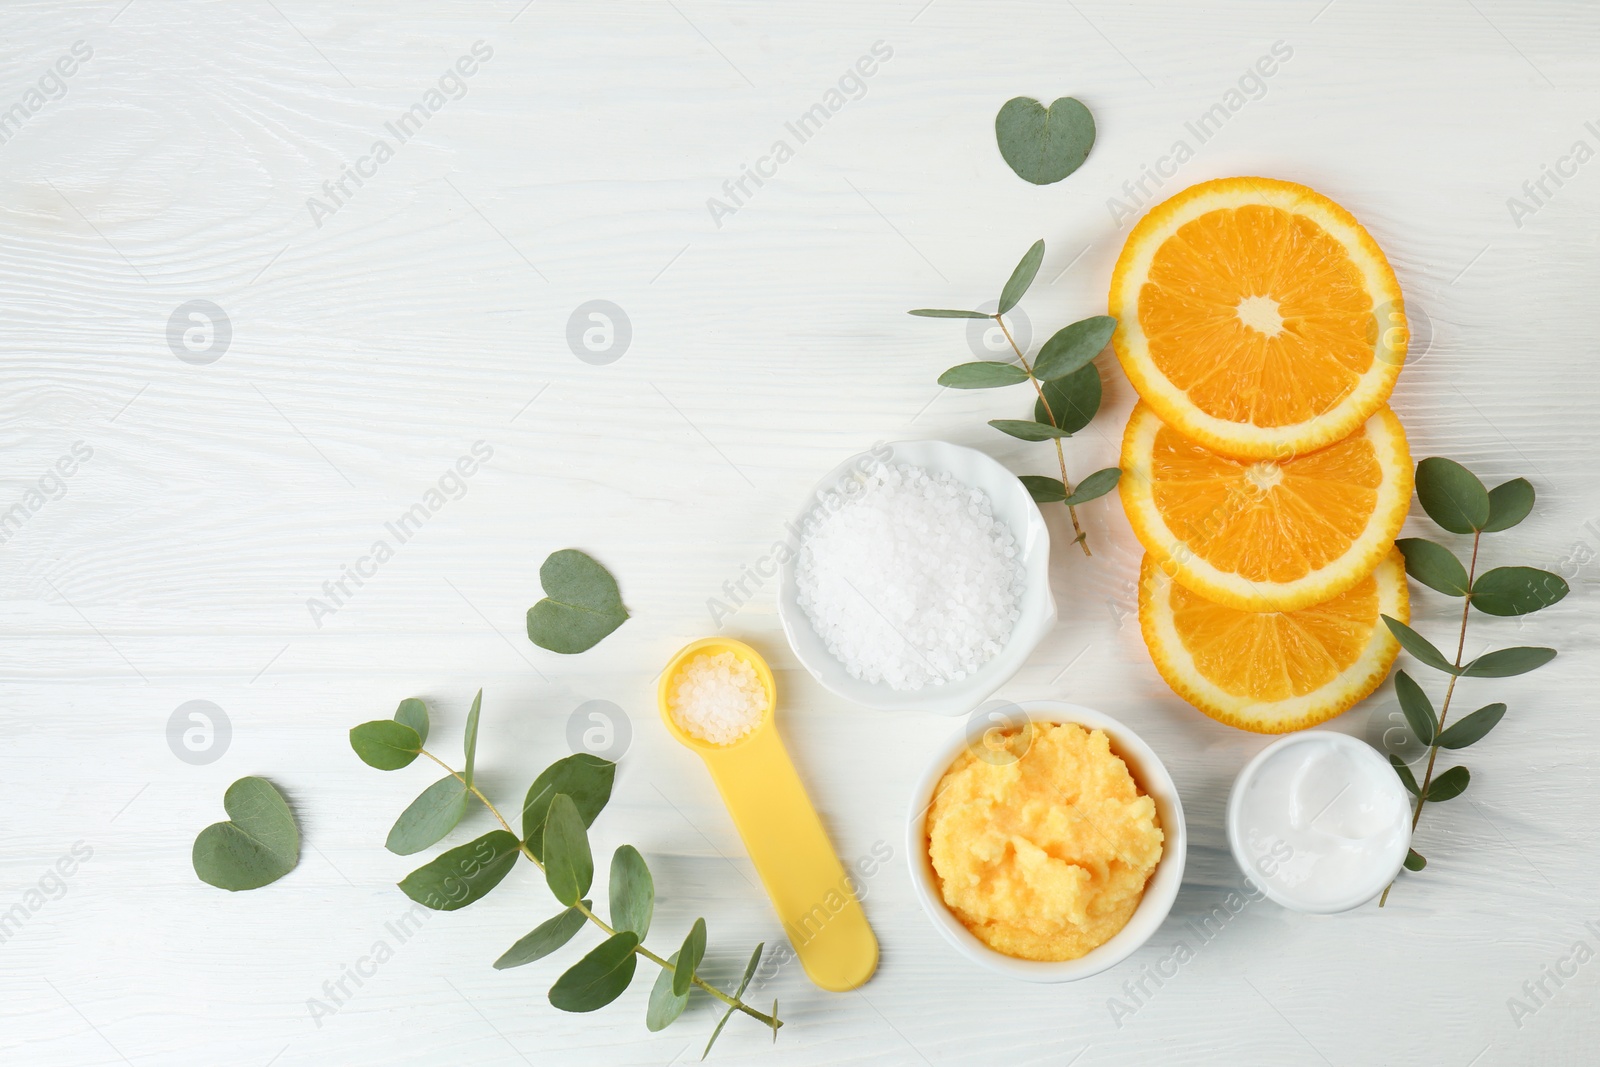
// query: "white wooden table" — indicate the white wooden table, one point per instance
point(374, 339)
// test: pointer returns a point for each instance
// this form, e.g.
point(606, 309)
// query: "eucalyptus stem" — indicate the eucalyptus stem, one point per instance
point(522, 846)
point(1061, 455)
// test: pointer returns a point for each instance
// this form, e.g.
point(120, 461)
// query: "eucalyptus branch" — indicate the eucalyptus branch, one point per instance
point(1061, 455)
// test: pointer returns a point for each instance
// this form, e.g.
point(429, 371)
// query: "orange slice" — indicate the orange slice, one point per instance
point(1264, 535)
point(1258, 317)
point(1274, 671)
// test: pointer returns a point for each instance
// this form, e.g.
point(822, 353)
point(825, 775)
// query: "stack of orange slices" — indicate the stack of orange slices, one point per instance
point(1263, 472)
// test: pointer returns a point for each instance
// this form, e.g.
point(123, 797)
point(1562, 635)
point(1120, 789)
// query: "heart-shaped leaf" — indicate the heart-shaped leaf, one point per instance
point(1073, 347)
point(581, 604)
point(1509, 504)
point(1434, 565)
point(749, 970)
point(470, 741)
point(258, 845)
point(665, 1005)
point(1043, 490)
point(1508, 662)
point(598, 978)
point(568, 863)
point(689, 957)
point(1044, 146)
point(385, 744)
point(543, 940)
point(1449, 785)
point(1510, 591)
point(632, 891)
point(413, 712)
point(586, 778)
point(463, 874)
point(429, 817)
point(1407, 779)
point(1021, 277)
point(1419, 646)
point(1095, 485)
point(942, 313)
point(1417, 707)
point(1472, 728)
point(989, 374)
point(1027, 431)
point(1073, 399)
point(1452, 495)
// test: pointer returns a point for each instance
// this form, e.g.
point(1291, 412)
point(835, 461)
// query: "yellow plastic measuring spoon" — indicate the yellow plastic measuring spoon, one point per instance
point(781, 831)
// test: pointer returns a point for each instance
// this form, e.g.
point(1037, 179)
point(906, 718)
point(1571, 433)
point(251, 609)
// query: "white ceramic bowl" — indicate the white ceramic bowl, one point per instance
point(1011, 502)
point(1159, 893)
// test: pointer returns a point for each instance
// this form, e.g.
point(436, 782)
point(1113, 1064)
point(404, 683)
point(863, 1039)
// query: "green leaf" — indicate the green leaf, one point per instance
point(1434, 565)
point(258, 845)
point(1043, 490)
point(1452, 495)
point(1509, 504)
point(1472, 728)
point(581, 604)
point(1095, 485)
point(1508, 662)
point(1417, 707)
point(385, 744)
point(665, 1005)
point(988, 374)
point(586, 778)
point(1027, 431)
point(633, 891)
point(464, 874)
point(1449, 785)
point(568, 863)
point(469, 743)
point(543, 940)
point(689, 957)
point(939, 313)
point(1516, 590)
point(1414, 860)
point(1073, 400)
point(429, 817)
point(598, 978)
point(749, 969)
point(413, 712)
point(1022, 277)
point(1072, 348)
point(1407, 779)
point(1044, 146)
point(1419, 646)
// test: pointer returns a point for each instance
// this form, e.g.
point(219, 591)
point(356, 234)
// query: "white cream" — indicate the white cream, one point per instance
point(1319, 821)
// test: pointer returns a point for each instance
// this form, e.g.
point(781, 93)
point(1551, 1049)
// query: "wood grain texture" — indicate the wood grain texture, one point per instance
point(430, 312)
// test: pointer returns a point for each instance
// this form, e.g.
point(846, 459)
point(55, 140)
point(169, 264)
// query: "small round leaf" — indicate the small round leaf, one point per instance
point(598, 978)
point(1509, 591)
point(1449, 785)
point(1452, 495)
point(385, 744)
point(1434, 565)
point(1509, 504)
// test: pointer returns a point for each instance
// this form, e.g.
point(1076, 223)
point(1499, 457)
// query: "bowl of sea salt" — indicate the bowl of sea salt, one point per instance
point(919, 578)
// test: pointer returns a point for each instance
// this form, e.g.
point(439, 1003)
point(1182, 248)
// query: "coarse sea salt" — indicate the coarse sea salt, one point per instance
point(717, 697)
point(913, 581)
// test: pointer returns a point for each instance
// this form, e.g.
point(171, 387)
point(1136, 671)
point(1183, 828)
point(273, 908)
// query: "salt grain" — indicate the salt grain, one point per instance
point(913, 581)
point(717, 697)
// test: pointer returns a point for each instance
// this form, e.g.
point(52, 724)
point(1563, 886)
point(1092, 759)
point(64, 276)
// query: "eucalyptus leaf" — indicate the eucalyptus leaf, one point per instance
point(1026, 270)
point(1452, 496)
point(598, 978)
point(1472, 728)
point(463, 874)
point(385, 744)
point(1449, 785)
point(1416, 706)
point(1073, 400)
point(987, 374)
point(1419, 646)
point(581, 604)
point(1507, 591)
point(941, 313)
point(665, 1005)
point(1508, 662)
point(1043, 490)
point(1028, 431)
point(1434, 565)
point(1073, 347)
point(1509, 504)
point(586, 778)
point(413, 712)
point(544, 939)
point(258, 845)
point(1407, 779)
point(1414, 860)
point(469, 742)
point(568, 863)
point(632, 890)
point(1044, 145)
point(429, 817)
point(689, 957)
point(1095, 485)
point(749, 969)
